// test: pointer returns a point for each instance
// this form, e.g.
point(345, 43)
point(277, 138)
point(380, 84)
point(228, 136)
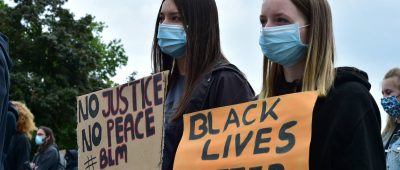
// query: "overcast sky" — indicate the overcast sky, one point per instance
point(367, 34)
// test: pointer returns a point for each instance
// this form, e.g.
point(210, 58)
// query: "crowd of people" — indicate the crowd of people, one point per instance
point(299, 50)
point(17, 145)
point(16, 128)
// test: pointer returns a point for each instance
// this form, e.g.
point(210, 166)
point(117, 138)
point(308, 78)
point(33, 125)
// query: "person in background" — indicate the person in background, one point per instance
point(47, 156)
point(20, 147)
point(391, 104)
point(187, 42)
point(5, 67)
point(71, 157)
point(298, 46)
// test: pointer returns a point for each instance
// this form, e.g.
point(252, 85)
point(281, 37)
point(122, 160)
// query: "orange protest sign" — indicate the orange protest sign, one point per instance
point(122, 127)
point(267, 134)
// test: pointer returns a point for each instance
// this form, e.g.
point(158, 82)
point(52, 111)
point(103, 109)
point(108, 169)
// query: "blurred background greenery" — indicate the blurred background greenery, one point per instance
point(55, 59)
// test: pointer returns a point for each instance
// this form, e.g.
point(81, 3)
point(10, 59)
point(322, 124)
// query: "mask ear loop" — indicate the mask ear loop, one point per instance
point(305, 26)
point(300, 27)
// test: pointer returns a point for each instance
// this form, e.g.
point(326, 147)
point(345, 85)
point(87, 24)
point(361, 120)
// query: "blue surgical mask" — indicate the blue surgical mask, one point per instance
point(39, 140)
point(391, 105)
point(282, 44)
point(172, 40)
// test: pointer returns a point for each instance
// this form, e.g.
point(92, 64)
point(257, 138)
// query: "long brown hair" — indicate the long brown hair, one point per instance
point(319, 70)
point(203, 49)
point(391, 122)
point(49, 134)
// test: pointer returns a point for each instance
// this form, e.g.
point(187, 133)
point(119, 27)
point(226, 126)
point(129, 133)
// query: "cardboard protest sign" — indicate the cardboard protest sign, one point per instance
point(122, 127)
point(271, 134)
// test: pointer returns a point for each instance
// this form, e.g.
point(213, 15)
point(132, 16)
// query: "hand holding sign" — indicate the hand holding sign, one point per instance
point(272, 133)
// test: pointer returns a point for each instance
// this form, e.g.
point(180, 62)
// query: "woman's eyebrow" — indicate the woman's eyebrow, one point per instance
point(169, 13)
point(280, 14)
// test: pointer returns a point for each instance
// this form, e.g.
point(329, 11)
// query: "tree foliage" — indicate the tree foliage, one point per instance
point(131, 76)
point(55, 59)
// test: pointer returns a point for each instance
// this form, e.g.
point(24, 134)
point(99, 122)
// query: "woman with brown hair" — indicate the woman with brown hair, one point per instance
point(20, 147)
point(187, 42)
point(298, 46)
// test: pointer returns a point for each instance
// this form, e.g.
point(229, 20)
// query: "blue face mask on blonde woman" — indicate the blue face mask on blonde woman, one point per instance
point(283, 36)
point(282, 44)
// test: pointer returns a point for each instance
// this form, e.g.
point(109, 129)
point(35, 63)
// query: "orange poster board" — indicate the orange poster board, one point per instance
point(121, 128)
point(267, 134)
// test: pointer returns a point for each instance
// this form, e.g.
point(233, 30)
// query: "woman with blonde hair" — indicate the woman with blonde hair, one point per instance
point(20, 147)
point(391, 104)
point(298, 46)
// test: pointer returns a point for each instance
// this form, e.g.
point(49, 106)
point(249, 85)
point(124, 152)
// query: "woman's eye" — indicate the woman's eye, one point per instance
point(282, 21)
point(263, 22)
point(176, 18)
point(161, 19)
point(387, 92)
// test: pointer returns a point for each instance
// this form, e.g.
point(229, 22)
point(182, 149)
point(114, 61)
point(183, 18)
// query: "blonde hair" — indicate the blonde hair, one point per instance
point(391, 122)
point(319, 70)
point(25, 123)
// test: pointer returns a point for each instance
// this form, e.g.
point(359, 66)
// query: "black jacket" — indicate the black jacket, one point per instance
point(223, 85)
point(346, 125)
point(11, 126)
point(19, 152)
point(48, 159)
point(71, 157)
point(5, 66)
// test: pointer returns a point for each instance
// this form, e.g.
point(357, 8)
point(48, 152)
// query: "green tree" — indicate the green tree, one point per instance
point(131, 76)
point(55, 59)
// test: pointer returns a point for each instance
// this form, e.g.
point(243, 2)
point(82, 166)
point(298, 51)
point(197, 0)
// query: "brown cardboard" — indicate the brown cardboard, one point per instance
point(128, 130)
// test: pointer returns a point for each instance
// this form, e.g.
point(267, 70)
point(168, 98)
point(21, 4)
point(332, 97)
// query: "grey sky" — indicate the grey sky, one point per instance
point(366, 33)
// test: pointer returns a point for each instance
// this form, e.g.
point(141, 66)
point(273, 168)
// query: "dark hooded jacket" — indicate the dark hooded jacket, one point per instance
point(11, 130)
point(48, 159)
point(11, 125)
point(346, 125)
point(5, 66)
point(19, 152)
point(223, 85)
point(71, 156)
